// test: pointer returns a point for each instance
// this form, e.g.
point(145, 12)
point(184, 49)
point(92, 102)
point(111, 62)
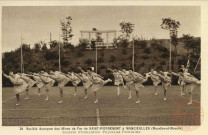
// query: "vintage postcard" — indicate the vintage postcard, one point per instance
point(104, 67)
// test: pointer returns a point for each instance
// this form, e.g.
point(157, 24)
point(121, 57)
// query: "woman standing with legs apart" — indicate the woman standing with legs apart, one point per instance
point(19, 84)
point(97, 82)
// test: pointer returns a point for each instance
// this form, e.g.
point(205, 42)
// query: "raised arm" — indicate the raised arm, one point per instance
point(111, 70)
point(5, 75)
point(81, 70)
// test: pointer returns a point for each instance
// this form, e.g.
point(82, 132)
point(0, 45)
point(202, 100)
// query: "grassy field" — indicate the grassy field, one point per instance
point(111, 109)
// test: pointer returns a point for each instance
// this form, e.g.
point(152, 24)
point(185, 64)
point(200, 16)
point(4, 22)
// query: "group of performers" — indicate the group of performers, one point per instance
point(133, 81)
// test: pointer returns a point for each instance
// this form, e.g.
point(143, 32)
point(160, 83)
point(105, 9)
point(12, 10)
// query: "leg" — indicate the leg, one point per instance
point(18, 99)
point(96, 97)
point(47, 94)
point(118, 90)
point(137, 96)
point(155, 87)
point(190, 88)
point(61, 95)
point(75, 90)
point(165, 90)
point(39, 91)
point(129, 94)
point(27, 94)
point(85, 93)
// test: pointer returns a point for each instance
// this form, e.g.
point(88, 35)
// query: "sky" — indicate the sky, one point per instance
point(36, 23)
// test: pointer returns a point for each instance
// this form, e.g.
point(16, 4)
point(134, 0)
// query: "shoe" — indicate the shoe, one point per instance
point(60, 102)
point(137, 102)
point(27, 98)
point(118, 94)
point(46, 99)
point(189, 103)
point(75, 94)
point(109, 80)
point(85, 97)
point(129, 97)
point(155, 93)
point(17, 104)
point(39, 94)
point(165, 99)
point(96, 101)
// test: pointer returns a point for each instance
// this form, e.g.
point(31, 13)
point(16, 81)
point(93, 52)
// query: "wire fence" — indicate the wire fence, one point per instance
point(192, 120)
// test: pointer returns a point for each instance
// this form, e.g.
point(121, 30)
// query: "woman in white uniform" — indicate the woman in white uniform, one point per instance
point(30, 83)
point(75, 81)
point(138, 81)
point(166, 81)
point(47, 81)
point(97, 81)
point(129, 81)
point(190, 80)
point(62, 81)
point(155, 79)
point(85, 81)
point(19, 84)
point(118, 79)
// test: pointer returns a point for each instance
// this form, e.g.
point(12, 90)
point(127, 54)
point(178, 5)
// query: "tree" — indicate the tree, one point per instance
point(127, 28)
point(187, 40)
point(66, 29)
point(53, 44)
point(44, 47)
point(37, 47)
point(172, 26)
point(98, 35)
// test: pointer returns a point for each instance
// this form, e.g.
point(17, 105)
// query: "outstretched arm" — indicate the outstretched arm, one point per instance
point(5, 75)
point(111, 70)
point(174, 73)
point(81, 70)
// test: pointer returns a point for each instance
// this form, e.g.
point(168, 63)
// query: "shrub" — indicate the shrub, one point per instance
point(164, 55)
point(102, 67)
point(51, 55)
point(123, 65)
point(65, 62)
point(145, 57)
point(88, 61)
point(162, 63)
point(112, 58)
point(124, 52)
point(80, 54)
point(143, 44)
point(147, 50)
point(100, 60)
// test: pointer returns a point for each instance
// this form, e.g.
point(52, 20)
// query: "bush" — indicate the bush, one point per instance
point(112, 58)
point(145, 57)
point(51, 55)
point(65, 62)
point(124, 52)
point(162, 63)
point(88, 61)
point(147, 50)
point(102, 67)
point(123, 65)
point(80, 54)
point(100, 60)
point(164, 55)
point(143, 44)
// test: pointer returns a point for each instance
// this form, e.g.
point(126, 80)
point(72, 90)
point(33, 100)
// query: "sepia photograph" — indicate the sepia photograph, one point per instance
point(101, 66)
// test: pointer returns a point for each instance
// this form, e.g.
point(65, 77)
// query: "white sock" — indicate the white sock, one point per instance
point(118, 89)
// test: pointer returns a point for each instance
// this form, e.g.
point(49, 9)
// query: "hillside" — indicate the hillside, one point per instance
point(152, 55)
